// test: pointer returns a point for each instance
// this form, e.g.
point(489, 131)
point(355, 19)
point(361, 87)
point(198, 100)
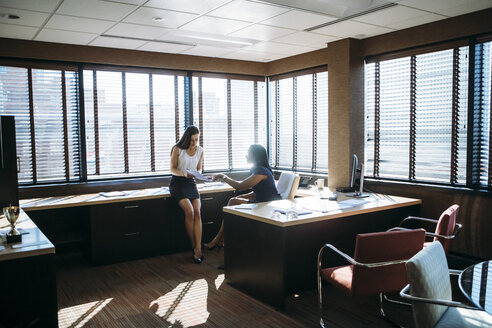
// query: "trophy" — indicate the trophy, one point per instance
point(12, 214)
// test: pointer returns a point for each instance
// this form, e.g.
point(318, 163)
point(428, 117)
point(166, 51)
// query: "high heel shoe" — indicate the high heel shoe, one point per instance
point(204, 245)
point(197, 260)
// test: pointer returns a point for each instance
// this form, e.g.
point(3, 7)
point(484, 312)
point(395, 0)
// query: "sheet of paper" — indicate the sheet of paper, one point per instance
point(298, 211)
point(354, 202)
point(113, 194)
point(198, 175)
point(245, 207)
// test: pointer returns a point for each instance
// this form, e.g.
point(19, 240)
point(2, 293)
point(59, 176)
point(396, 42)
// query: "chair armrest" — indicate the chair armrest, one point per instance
point(404, 293)
point(417, 218)
point(354, 262)
point(457, 227)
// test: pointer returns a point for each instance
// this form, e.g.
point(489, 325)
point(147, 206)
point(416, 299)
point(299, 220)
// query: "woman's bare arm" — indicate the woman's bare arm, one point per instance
point(200, 163)
point(246, 184)
point(174, 163)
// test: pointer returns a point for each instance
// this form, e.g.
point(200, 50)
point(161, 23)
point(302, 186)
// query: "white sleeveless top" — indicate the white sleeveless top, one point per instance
point(187, 162)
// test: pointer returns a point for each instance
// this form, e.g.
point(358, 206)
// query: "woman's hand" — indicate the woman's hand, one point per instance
point(219, 177)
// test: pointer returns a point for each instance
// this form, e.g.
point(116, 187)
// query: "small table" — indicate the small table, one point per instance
point(476, 283)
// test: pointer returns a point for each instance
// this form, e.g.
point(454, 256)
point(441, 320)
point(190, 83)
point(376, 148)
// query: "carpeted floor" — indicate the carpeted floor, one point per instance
point(171, 291)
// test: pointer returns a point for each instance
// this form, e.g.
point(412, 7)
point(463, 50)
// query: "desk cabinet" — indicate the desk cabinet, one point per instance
point(129, 230)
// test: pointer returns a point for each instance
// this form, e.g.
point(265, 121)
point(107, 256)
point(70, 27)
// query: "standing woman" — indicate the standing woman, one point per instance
point(188, 155)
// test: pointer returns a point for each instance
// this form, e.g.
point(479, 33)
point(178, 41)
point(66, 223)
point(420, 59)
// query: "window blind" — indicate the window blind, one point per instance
point(320, 111)
point(231, 114)
point(14, 101)
point(416, 117)
point(44, 104)
point(138, 122)
point(132, 121)
point(299, 121)
point(242, 120)
point(479, 157)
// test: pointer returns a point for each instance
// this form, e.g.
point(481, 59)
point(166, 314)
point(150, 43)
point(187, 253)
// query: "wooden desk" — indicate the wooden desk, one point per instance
point(38, 204)
point(128, 225)
point(28, 287)
point(273, 258)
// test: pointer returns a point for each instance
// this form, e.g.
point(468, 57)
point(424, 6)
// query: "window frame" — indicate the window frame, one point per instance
point(472, 162)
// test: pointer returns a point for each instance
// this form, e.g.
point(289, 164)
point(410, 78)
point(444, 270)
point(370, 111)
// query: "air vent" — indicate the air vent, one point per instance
point(386, 6)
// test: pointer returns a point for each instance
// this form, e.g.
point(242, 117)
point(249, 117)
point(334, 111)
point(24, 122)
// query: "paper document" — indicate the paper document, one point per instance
point(298, 211)
point(197, 175)
point(113, 193)
point(245, 207)
point(354, 202)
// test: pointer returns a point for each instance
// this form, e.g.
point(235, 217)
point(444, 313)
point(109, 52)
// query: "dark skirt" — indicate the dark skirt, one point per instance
point(182, 187)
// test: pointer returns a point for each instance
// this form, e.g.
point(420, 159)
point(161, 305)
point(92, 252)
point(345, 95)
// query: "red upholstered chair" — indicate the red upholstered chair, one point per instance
point(446, 227)
point(378, 265)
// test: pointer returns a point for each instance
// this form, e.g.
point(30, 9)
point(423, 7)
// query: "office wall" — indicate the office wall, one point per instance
point(99, 55)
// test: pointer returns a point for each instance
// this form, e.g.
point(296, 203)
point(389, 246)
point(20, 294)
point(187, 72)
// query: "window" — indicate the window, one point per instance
point(231, 115)
point(299, 121)
point(132, 121)
point(481, 129)
point(45, 105)
point(416, 117)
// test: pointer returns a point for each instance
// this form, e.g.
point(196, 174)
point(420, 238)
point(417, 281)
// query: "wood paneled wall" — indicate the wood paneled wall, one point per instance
point(14, 48)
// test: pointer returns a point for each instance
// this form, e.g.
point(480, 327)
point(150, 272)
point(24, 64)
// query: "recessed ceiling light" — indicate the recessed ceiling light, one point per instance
point(9, 16)
point(158, 19)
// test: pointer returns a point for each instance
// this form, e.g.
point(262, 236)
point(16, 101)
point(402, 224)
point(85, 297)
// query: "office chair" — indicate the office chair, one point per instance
point(446, 228)
point(431, 295)
point(378, 266)
point(287, 185)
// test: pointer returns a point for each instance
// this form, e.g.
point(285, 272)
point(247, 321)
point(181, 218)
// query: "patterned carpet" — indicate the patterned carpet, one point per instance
point(171, 291)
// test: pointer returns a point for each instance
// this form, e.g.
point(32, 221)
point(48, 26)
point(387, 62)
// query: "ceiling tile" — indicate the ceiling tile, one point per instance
point(214, 25)
point(262, 32)
point(352, 29)
point(164, 47)
point(189, 6)
point(27, 18)
point(95, 9)
point(78, 24)
point(468, 7)
point(420, 20)
point(109, 42)
point(171, 19)
point(247, 11)
point(137, 31)
point(274, 47)
point(131, 2)
point(17, 31)
point(307, 39)
point(60, 36)
point(436, 6)
point(390, 16)
point(298, 20)
point(206, 51)
point(46, 6)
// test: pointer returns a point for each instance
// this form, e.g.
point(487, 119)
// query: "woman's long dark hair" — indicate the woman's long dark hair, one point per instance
point(259, 156)
point(184, 142)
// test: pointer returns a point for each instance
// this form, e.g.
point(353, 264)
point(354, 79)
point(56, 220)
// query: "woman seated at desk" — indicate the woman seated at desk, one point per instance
point(188, 155)
point(261, 181)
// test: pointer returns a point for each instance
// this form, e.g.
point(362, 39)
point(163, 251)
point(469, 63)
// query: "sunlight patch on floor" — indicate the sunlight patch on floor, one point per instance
point(78, 315)
point(219, 281)
point(185, 304)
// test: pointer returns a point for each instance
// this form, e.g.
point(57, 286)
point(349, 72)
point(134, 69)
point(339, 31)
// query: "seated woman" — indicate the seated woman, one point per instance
point(261, 181)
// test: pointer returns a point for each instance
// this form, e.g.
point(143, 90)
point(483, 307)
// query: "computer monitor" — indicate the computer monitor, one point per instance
point(353, 173)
